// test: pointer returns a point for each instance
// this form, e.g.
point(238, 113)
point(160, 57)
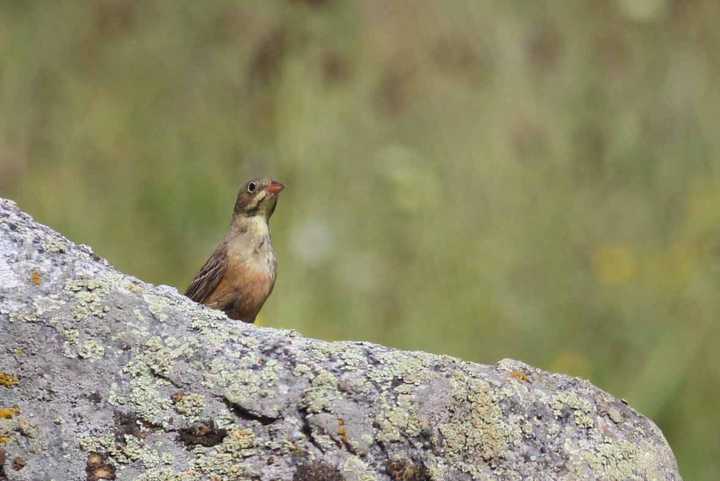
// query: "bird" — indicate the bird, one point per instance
point(240, 274)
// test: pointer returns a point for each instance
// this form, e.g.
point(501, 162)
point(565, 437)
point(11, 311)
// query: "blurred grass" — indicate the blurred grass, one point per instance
point(493, 179)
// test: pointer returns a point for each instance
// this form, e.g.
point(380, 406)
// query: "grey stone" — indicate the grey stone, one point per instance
point(103, 375)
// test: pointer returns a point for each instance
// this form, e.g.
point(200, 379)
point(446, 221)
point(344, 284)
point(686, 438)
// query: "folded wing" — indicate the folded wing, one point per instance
point(209, 277)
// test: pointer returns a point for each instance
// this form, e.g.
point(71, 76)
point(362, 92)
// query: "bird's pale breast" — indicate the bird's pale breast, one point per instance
point(249, 279)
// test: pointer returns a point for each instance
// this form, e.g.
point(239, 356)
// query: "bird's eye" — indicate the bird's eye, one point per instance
point(251, 187)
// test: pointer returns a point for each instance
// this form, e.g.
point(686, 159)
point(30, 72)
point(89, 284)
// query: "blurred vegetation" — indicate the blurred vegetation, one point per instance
point(535, 180)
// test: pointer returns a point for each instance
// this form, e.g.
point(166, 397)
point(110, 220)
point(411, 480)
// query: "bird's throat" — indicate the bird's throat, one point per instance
point(250, 229)
point(248, 244)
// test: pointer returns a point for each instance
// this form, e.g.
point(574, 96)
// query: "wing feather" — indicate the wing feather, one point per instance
point(209, 277)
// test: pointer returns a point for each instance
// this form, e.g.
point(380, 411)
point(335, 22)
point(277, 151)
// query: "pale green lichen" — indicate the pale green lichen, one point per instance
point(227, 459)
point(147, 402)
point(301, 370)
point(406, 367)
point(71, 335)
point(99, 444)
point(131, 450)
point(525, 426)
point(163, 474)
point(55, 245)
point(354, 469)
point(320, 437)
point(476, 433)
point(115, 398)
point(239, 441)
point(91, 349)
point(70, 345)
point(82, 284)
point(190, 405)
point(613, 459)
point(136, 450)
point(147, 371)
point(322, 392)
point(23, 315)
point(398, 417)
point(157, 305)
point(323, 352)
point(354, 384)
point(397, 422)
point(244, 379)
point(88, 294)
point(251, 382)
point(436, 469)
point(131, 285)
point(243, 339)
point(581, 408)
point(212, 326)
point(157, 357)
point(139, 315)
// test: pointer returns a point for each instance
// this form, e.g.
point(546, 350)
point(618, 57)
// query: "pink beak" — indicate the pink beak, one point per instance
point(275, 187)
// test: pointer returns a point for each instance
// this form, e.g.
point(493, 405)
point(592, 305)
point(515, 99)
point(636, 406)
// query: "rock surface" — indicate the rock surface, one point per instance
point(103, 376)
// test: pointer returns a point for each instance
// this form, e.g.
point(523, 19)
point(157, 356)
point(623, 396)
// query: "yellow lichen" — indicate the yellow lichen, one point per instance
point(8, 413)
point(342, 432)
point(8, 380)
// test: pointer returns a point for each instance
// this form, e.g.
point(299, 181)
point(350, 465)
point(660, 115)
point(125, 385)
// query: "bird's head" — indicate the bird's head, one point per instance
point(258, 197)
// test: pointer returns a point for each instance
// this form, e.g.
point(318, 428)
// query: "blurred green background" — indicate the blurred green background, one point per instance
point(536, 180)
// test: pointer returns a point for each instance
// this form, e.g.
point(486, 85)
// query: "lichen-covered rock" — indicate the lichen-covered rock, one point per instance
point(103, 376)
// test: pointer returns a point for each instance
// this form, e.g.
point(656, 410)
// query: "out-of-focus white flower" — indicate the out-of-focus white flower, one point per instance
point(312, 241)
point(413, 179)
point(361, 271)
point(643, 10)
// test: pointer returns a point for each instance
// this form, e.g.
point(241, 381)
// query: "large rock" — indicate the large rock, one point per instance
point(104, 376)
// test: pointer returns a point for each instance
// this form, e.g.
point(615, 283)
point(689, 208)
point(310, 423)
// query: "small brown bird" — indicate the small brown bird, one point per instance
point(240, 274)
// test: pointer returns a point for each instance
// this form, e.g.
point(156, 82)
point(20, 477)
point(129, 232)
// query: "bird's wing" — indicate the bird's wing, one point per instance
point(209, 277)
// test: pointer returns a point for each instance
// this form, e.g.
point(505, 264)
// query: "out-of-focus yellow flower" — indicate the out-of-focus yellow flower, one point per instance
point(682, 257)
point(614, 264)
